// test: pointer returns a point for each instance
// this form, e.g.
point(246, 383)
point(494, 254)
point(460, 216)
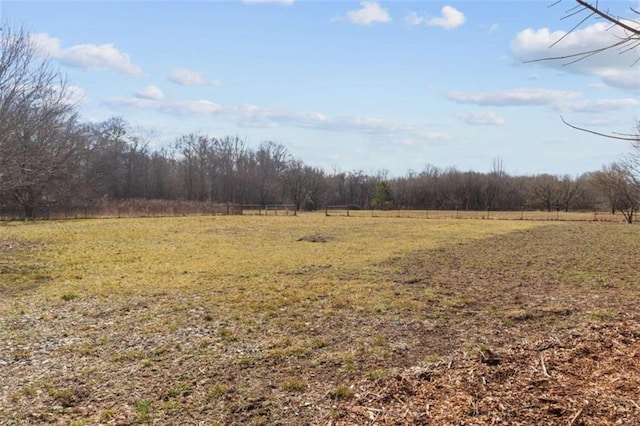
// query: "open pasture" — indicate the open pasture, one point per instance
point(319, 320)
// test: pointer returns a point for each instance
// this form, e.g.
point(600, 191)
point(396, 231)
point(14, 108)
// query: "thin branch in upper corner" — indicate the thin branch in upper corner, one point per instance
point(618, 136)
point(625, 44)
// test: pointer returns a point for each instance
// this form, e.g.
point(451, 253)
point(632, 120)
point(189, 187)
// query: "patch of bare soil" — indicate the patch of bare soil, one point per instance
point(315, 238)
point(6, 245)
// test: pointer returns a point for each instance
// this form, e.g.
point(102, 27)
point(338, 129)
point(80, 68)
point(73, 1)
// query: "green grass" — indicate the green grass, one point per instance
point(343, 392)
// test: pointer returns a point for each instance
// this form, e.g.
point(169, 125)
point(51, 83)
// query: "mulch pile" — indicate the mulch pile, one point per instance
point(587, 376)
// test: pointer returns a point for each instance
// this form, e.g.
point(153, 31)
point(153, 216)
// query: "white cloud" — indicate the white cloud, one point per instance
point(76, 95)
point(603, 120)
point(99, 57)
point(412, 19)
point(558, 100)
point(73, 95)
point(87, 56)
point(285, 2)
point(451, 18)
point(626, 78)
point(514, 97)
point(370, 13)
point(255, 116)
point(150, 92)
point(119, 103)
point(405, 134)
point(611, 66)
point(198, 107)
point(482, 118)
point(45, 44)
point(258, 117)
point(600, 105)
point(186, 77)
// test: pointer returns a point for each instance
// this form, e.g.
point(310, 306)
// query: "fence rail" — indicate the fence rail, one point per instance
point(162, 208)
point(286, 209)
point(130, 208)
point(532, 215)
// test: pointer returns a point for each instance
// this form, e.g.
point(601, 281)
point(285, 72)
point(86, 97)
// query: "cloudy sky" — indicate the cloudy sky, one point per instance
point(351, 85)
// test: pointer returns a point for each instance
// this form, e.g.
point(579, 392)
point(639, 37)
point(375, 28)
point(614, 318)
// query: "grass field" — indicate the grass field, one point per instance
point(316, 320)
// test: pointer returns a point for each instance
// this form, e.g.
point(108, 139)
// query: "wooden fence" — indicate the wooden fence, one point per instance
point(598, 216)
point(128, 208)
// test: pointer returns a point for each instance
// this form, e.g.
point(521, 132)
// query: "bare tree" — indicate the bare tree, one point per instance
point(118, 165)
point(544, 192)
point(38, 128)
point(632, 160)
point(271, 161)
point(293, 182)
point(617, 181)
point(569, 189)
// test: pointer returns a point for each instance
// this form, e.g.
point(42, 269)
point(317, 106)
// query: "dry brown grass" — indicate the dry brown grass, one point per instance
point(311, 320)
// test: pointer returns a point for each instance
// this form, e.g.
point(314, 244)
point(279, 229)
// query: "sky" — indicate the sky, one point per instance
point(366, 86)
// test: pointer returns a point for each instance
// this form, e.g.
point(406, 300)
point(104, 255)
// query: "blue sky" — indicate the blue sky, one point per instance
point(362, 85)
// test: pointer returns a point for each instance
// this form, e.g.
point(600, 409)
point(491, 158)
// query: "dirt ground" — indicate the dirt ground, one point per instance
point(533, 327)
point(589, 375)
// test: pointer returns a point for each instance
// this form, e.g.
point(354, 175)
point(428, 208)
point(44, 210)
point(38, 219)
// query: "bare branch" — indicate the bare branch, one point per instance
point(629, 26)
point(622, 137)
point(571, 30)
point(616, 21)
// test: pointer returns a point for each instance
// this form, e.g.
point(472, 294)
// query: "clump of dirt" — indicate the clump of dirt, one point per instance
point(316, 238)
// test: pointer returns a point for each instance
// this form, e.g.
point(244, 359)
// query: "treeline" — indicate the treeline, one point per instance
point(48, 157)
point(108, 160)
